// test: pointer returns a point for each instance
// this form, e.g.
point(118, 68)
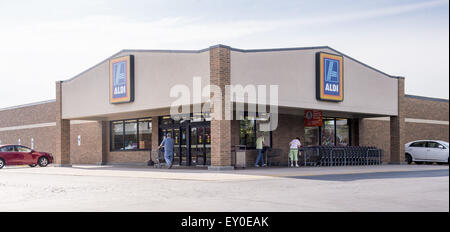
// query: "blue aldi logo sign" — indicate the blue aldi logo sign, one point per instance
point(329, 77)
point(121, 78)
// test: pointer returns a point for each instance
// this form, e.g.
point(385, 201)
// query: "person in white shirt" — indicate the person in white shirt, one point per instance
point(294, 145)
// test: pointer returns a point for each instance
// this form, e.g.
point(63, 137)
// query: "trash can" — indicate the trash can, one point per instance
point(240, 156)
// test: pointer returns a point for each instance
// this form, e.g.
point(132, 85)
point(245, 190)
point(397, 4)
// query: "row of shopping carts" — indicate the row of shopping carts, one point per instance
point(340, 156)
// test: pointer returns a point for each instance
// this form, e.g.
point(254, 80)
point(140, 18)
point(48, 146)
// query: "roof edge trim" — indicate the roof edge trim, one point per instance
point(426, 98)
point(27, 105)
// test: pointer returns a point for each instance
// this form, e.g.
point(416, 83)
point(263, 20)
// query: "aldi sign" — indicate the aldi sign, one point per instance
point(121, 79)
point(329, 77)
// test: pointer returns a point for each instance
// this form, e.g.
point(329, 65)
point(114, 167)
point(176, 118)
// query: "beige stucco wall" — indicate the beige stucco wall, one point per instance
point(365, 90)
point(155, 73)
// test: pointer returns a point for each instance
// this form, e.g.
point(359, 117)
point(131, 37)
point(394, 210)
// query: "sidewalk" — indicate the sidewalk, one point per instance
point(205, 175)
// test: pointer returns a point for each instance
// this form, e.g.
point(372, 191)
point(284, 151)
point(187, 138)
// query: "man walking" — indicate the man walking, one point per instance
point(259, 148)
point(168, 143)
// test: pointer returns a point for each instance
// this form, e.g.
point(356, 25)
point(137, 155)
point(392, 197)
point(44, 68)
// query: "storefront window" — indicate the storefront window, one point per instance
point(251, 127)
point(262, 125)
point(166, 120)
point(117, 135)
point(333, 132)
point(133, 134)
point(145, 133)
point(311, 136)
point(342, 132)
point(328, 132)
point(247, 132)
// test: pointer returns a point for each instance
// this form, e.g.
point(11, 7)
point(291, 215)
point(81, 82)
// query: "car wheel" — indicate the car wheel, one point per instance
point(32, 165)
point(408, 158)
point(43, 161)
point(2, 163)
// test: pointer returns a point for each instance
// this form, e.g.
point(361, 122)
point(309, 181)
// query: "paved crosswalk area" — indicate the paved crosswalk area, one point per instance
point(121, 188)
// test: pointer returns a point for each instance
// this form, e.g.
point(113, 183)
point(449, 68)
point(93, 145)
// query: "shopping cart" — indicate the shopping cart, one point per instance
point(157, 158)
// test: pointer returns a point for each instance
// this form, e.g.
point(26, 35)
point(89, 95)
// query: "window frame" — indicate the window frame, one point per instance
point(13, 148)
point(123, 135)
point(255, 131)
point(16, 147)
point(350, 133)
point(417, 142)
point(438, 144)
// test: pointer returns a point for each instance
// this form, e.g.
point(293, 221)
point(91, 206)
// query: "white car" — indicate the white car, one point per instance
point(426, 151)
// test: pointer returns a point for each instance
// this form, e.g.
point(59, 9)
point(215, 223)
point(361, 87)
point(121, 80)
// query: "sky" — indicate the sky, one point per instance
point(49, 40)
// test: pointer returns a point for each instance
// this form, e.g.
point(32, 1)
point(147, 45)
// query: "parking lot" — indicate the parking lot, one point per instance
point(119, 188)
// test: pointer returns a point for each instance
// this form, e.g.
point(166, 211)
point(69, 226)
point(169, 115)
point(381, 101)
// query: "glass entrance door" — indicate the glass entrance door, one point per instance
point(176, 149)
point(184, 154)
point(192, 141)
point(200, 145)
point(200, 158)
point(194, 146)
point(207, 142)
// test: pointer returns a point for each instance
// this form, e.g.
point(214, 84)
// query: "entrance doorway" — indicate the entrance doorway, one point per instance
point(192, 140)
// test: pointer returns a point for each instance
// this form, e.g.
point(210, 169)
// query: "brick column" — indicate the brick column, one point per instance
point(104, 128)
point(397, 128)
point(62, 156)
point(155, 133)
point(355, 132)
point(220, 75)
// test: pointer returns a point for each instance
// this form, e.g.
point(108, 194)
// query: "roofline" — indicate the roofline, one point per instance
point(236, 50)
point(314, 48)
point(27, 105)
point(277, 49)
point(365, 65)
point(427, 98)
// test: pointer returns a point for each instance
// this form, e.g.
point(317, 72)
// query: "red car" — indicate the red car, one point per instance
point(22, 155)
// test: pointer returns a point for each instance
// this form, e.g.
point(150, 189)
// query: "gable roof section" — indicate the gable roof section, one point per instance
point(237, 50)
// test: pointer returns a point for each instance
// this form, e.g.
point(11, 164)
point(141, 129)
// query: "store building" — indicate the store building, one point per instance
point(119, 110)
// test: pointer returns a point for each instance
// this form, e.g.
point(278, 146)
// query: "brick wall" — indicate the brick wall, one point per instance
point(418, 131)
point(90, 149)
point(426, 109)
point(289, 127)
point(220, 129)
point(43, 137)
point(377, 132)
point(27, 115)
